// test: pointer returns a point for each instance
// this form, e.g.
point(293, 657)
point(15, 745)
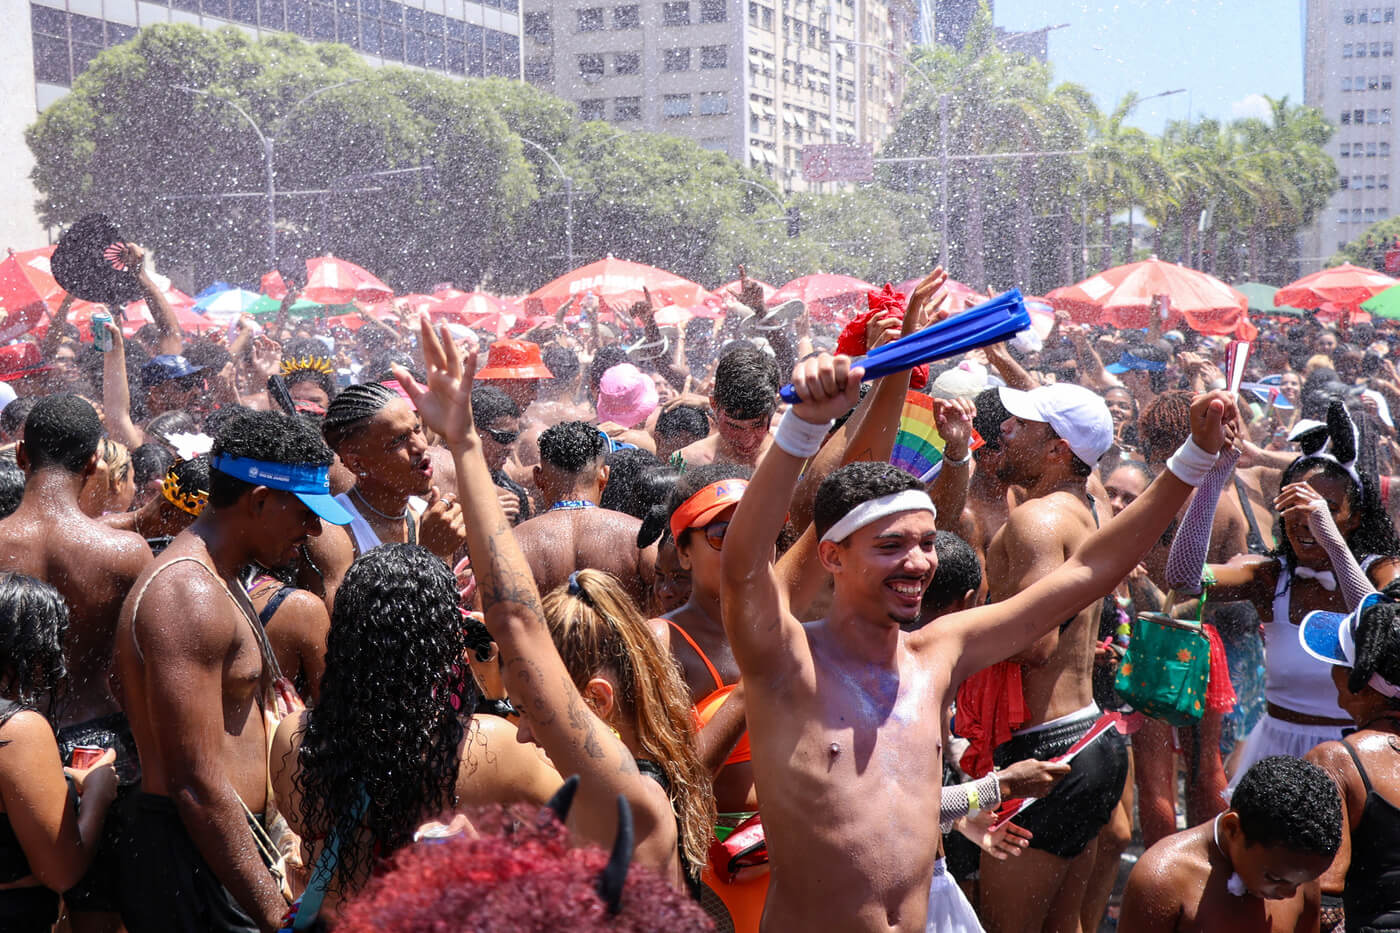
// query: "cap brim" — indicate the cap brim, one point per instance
point(325, 507)
point(516, 372)
point(1117, 369)
point(1320, 636)
point(1019, 404)
point(711, 512)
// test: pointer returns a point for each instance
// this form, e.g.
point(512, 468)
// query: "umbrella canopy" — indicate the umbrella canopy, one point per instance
point(1122, 297)
point(960, 296)
point(1340, 289)
point(335, 281)
point(22, 295)
point(273, 285)
point(827, 296)
point(1261, 300)
point(1386, 304)
point(227, 305)
point(618, 283)
point(477, 310)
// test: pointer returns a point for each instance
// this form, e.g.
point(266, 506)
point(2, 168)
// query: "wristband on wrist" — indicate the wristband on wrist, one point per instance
point(964, 460)
point(1191, 463)
point(798, 437)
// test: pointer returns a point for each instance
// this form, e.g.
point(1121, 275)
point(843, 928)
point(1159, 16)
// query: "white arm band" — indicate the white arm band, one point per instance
point(1190, 463)
point(798, 437)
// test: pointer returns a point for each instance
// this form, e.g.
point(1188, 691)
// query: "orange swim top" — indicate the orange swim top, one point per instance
point(705, 710)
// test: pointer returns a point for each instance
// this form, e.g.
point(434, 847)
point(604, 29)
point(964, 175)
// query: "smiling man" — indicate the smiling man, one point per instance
point(191, 656)
point(838, 708)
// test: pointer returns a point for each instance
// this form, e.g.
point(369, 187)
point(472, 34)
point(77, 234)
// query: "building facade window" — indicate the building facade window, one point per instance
point(676, 13)
point(538, 28)
point(594, 109)
point(714, 56)
point(1346, 117)
point(539, 69)
point(590, 66)
point(1344, 151)
point(1384, 151)
point(1387, 50)
point(626, 109)
point(713, 103)
point(1346, 82)
point(675, 60)
point(627, 63)
point(627, 17)
point(1386, 82)
point(676, 105)
point(1348, 17)
point(714, 11)
point(590, 19)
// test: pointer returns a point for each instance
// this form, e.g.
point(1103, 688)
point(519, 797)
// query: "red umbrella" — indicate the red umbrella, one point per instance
point(618, 283)
point(478, 311)
point(22, 301)
point(332, 281)
point(1122, 297)
point(960, 296)
point(827, 296)
point(1340, 289)
point(273, 285)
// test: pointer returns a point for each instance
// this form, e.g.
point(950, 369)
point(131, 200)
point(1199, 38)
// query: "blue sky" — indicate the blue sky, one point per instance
point(1221, 51)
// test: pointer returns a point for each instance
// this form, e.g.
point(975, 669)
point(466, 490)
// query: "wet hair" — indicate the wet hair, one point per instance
point(211, 356)
point(380, 366)
point(490, 404)
point(308, 348)
point(531, 878)
point(683, 421)
point(478, 639)
point(349, 411)
point(1286, 802)
point(1165, 424)
point(395, 698)
point(958, 571)
point(562, 363)
point(1378, 644)
point(13, 417)
point(651, 488)
point(169, 423)
point(596, 628)
point(656, 523)
point(11, 483)
point(853, 484)
point(990, 414)
point(571, 446)
point(605, 359)
point(1153, 353)
point(192, 476)
point(268, 436)
point(150, 462)
point(33, 622)
point(1374, 535)
point(624, 467)
point(62, 431)
point(746, 383)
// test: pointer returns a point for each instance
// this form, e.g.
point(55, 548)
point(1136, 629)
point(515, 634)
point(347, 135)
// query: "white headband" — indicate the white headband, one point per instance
point(1384, 687)
point(872, 510)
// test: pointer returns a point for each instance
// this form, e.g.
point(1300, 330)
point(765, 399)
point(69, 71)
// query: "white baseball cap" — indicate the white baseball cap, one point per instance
point(1077, 415)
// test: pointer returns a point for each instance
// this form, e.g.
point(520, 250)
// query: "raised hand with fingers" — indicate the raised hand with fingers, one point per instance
point(828, 387)
point(443, 527)
point(953, 419)
point(1213, 420)
point(1005, 841)
point(445, 403)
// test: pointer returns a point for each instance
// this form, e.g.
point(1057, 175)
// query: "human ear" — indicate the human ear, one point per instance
point(829, 553)
point(598, 694)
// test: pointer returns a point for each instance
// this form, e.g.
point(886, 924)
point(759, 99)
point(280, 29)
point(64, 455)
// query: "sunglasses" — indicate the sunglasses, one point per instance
point(501, 437)
point(714, 534)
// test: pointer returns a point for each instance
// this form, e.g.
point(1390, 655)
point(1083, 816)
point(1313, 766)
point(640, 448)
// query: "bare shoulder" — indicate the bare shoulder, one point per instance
point(1046, 518)
point(26, 728)
point(1161, 883)
point(182, 608)
point(661, 631)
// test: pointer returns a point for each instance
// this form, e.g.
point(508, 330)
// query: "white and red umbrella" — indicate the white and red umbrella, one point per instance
point(332, 281)
point(617, 283)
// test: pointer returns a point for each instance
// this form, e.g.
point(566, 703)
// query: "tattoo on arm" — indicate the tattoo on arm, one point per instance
point(528, 673)
point(582, 723)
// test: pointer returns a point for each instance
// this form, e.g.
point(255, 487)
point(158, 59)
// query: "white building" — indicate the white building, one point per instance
point(54, 40)
point(757, 79)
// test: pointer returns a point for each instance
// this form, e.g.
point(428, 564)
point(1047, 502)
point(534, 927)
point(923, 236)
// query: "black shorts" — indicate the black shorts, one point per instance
point(111, 731)
point(166, 884)
point(28, 910)
point(97, 890)
point(1070, 816)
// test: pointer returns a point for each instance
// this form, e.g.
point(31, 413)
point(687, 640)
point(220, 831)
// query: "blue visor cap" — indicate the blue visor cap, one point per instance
point(310, 484)
point(1331, 636)
point(1127, 363)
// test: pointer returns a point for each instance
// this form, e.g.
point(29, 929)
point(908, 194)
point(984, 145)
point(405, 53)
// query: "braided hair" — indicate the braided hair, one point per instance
point(350, 409)
point(1378, 644)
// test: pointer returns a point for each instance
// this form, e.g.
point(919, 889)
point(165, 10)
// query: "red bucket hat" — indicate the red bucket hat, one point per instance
point(514, 359)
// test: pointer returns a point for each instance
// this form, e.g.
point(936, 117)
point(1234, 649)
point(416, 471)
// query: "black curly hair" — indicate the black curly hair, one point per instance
point(61, 431)
point(262, 435)
point(958, 571)
point(572, 446)
point(656, 523)
point(1376, 533)
point(1289, 803)
point(395, 701)
point(33, 622)
point(853, 484)
point(11, 483)
point(1378, 644)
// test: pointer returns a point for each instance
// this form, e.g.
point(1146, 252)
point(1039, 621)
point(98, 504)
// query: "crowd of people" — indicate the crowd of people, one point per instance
point(415, 628)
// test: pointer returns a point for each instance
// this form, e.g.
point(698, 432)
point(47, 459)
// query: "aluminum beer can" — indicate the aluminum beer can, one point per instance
point(100, 338)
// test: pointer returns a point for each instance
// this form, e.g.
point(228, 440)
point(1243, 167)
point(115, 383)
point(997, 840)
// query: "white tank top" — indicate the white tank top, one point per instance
point(1293, 678)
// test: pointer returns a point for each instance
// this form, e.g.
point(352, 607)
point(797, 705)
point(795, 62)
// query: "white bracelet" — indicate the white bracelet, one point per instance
point(798, 437)
point(1191, 463)
point(964, 461)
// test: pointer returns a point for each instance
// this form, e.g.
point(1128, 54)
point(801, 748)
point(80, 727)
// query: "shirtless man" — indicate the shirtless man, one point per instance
point(742, 405)
point(573, 532)
point(379, 439)
point(988, 504)
point(87, 561)
point(1050, 444)
point(190, 652)
point(1252, 869)
point(847, 759)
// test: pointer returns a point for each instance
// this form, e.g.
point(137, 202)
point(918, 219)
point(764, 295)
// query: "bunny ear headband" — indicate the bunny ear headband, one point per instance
point(1336, 441)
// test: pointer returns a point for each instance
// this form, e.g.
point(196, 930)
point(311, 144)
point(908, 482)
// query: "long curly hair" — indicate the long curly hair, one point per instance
point(395, 700)
point(598, 629)
point(33, 622)
point(1376, 533)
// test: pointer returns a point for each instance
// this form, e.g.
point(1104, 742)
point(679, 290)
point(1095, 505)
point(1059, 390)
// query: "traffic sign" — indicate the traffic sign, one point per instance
point(843, 162)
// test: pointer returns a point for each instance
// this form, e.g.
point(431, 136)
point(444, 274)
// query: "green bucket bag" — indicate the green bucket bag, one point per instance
point(1166, 668)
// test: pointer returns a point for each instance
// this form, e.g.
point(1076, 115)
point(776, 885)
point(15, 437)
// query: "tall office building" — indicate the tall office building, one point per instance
point(52, 42)
point(1349, 74)
point(757, 80)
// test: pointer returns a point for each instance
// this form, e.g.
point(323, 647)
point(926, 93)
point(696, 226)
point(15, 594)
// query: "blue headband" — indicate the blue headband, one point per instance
point(310, 484)
point(1127, 361)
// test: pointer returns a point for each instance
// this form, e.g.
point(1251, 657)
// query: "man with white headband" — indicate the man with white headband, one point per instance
point(1050, 442)
point(842, 711)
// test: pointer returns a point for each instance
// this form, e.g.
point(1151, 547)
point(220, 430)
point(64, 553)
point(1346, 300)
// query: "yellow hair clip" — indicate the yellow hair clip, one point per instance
point(314, 364)
point(192, 503)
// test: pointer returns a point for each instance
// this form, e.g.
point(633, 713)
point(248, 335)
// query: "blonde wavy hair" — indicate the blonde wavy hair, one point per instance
point(600, 629)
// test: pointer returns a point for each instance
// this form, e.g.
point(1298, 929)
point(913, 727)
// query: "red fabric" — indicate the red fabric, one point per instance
point(990, 707)
point(1220, 693)
point(885, 303)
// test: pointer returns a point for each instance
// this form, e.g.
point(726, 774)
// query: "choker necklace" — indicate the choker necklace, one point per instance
point(565, 505)
point(402, 516)
point(1236, 884)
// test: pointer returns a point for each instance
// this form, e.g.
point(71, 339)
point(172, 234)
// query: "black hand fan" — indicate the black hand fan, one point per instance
point(87, 263)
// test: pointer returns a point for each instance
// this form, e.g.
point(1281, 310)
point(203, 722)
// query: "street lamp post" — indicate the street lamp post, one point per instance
point(268, 141)
point(568, 199)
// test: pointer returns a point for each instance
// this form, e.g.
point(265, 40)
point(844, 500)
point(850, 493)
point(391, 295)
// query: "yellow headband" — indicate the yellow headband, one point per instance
point(192, 503)
point(314, 364)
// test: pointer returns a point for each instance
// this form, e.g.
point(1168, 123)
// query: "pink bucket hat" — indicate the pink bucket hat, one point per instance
point(626, 396)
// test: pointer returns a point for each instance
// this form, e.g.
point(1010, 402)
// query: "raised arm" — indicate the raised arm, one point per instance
point(987, 634)
point(171, 336)
point(763, 632)
point(58, 320)
point(116, 393)
point(576, 740)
